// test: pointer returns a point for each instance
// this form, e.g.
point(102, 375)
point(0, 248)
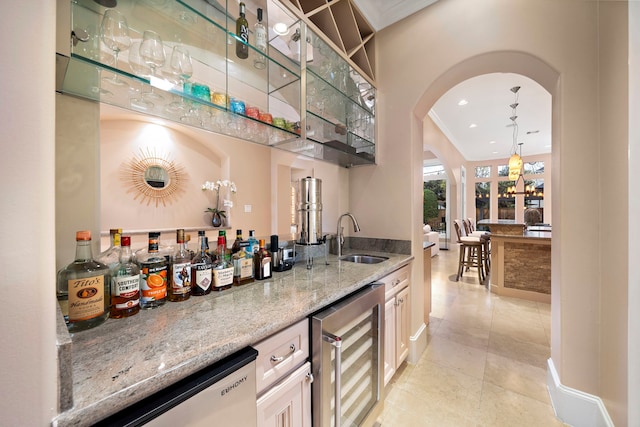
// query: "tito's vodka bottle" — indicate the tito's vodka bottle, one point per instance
point(125, 283)
point(83, 288)
point(180, 271)
point(153, 282)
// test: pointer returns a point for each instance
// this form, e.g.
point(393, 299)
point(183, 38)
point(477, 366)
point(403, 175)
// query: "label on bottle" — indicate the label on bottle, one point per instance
point(202, 277)
point(154, 283)
point(261, 38)
point(244, 268)
point(86, 298)
point(126, 286)
point(266, 267)
point(181, 278)
point(244, 33)
point(223, 277)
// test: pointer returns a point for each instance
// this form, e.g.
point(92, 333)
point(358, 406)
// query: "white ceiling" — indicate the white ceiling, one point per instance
point(489, 98)
point(382, 13)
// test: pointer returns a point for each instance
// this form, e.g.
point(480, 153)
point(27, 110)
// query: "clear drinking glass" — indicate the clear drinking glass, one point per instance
point(152, 52)
point(182, 68)
point(140, 68)
point(114, 32)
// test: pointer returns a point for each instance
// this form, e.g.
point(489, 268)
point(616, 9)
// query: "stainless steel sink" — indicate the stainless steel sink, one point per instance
point(364, 259)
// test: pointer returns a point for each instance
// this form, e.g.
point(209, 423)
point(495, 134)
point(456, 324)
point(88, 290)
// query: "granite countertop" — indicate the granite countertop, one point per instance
point(528, 235)
point(125, 360)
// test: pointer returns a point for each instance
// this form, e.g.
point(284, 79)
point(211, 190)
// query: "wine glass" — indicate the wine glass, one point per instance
point(139, 68)
point(152, 52)
point(182, 68)
point(114, 32)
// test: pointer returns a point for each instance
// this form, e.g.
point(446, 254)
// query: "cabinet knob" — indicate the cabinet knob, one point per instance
point(276, 359)
point(309, 377)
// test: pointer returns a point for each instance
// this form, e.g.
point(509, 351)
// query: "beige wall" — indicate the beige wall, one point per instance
point(556, 44)
point(27, 177)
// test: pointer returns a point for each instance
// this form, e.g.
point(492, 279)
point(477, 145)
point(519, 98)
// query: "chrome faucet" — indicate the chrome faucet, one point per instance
point(340, 235)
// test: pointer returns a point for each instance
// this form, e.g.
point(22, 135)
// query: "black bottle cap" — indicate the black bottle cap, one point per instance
point(274, 243)
point(259, 14)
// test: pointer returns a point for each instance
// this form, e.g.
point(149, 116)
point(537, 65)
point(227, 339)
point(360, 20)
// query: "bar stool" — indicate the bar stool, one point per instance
point(471, 231)
point(472, 252)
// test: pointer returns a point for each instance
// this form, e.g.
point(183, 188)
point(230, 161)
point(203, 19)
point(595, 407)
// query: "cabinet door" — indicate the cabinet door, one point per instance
point(288, 403)
point(402, 326)
point(389, 340)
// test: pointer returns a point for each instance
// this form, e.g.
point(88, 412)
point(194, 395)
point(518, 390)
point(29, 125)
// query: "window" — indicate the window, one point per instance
point(534, 168)
point(483, 171)
point(503, 170)
point(483, 200)
point(506, 202)
point(536, 198)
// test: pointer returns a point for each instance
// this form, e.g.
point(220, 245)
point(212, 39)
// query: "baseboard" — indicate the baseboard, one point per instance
point(418, 344)
point(575, 407)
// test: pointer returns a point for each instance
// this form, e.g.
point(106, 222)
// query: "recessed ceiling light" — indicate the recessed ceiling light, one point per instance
point(463, 102)
point(492, 142)
point(473, 125)
point(494, 152)
point(281, 28)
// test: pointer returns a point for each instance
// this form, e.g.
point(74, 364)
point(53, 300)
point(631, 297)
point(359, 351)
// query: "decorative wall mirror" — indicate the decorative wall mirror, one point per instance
point(153, 178)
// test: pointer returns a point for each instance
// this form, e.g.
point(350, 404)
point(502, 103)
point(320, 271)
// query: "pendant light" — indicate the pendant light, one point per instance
point(515, 161)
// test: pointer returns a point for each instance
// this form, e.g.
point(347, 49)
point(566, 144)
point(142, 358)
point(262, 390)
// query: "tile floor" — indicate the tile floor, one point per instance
point(485, 362)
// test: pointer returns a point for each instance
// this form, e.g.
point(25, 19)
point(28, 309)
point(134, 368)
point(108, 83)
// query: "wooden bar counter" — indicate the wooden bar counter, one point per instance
point(520, 263)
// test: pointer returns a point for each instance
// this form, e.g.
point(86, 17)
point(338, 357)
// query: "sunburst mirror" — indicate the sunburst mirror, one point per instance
point(153, 178)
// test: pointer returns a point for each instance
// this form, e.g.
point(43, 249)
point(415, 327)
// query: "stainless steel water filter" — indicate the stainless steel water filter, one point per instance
point(310, 211)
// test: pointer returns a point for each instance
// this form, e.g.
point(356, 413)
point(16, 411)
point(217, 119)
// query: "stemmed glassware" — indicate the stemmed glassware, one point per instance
point(152, 52)
point(114, 32)
point(139, 68)
point(182, 68)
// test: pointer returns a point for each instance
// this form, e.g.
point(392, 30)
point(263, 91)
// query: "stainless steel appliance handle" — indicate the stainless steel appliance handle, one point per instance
point(336, 341)
point(275, 359)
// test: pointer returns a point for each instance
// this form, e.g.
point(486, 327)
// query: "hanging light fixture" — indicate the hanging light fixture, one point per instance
point(515, 161)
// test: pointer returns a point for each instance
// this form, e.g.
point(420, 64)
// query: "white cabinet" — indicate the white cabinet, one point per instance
point(396, 338)
point(288, 403)
point(283, 378)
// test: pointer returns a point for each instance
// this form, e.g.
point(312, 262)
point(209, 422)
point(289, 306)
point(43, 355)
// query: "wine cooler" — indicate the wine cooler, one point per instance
point(347, 350)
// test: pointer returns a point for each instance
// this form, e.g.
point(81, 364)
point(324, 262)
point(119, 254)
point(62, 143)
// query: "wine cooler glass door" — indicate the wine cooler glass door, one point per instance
point(348, 363)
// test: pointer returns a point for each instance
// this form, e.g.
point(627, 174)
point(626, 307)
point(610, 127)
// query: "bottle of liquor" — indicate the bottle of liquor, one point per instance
point(253, 243)
point(222, 268)
point(201, 264)
point(111, 257)
point(125, 284)
point(153, 280)
point(180, 271)
point(83, 288)
point(262, 263)
point(260, 33)
point(242, 31)
point(236, 244)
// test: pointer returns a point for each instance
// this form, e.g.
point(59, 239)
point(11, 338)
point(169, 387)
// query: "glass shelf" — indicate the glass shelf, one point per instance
point(338, 112)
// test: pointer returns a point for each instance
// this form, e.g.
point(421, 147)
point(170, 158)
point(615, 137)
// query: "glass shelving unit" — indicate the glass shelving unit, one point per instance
point(331, 118)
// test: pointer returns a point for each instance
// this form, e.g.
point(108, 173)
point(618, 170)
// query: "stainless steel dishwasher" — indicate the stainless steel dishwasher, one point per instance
point(347, 359)
point(223, 394)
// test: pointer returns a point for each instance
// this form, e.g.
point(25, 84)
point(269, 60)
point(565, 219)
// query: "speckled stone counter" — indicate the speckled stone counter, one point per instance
point(125, 360)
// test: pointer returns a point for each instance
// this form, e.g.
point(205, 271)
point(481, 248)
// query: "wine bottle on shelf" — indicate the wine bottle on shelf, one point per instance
point(242, 31)
point(83, 288)
point(153, 280)
point(201, 264)
point(262, 262)
point(222, 267)
point(260, 34)
point(180, 271)
point(125, 283)
point(111, 257)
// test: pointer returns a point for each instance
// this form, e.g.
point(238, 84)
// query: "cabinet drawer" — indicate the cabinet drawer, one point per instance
point(281, 353)
point(395, 281)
